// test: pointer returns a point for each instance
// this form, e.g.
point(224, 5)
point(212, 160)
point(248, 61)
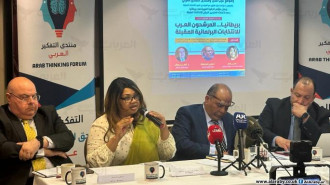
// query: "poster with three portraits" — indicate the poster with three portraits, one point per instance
point(206, 38)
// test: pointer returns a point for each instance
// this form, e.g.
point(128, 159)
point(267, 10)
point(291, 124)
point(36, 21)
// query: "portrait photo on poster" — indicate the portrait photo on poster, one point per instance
point(232, 52)
point(207, 53)
point(181, 54)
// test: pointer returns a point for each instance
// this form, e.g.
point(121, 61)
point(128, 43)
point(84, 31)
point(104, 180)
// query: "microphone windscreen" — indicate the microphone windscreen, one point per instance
point(256, 133)
point(254, 129)
point(240, 121)
point(215, 134)
point(143, 111)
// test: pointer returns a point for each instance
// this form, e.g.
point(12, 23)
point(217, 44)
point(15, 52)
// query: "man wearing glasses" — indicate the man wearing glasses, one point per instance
point(31, 137)
point(192, 122)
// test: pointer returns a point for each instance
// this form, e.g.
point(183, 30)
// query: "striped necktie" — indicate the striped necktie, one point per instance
point(39, 163)
point(223, 142)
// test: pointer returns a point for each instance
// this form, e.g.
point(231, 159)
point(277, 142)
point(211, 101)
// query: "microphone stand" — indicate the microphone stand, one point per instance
point(220, 155)
point(258, 157)
point(241, 164)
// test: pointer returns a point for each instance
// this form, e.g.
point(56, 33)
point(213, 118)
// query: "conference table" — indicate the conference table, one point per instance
point(234, 176)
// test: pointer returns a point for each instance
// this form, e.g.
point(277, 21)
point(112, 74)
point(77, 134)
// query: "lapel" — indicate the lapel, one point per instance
point(201, 121)
point(226, 127)
point(284, 117)
point(39, 122)
point(311, 111)
point(17, 125)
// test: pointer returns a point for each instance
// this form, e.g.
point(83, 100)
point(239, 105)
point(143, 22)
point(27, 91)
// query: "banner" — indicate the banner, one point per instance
point(314, 46)
point(56, 51)
point(135, 42)
point(206, 39)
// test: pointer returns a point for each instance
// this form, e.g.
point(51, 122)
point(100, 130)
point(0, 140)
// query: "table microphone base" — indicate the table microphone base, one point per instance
point(219, 173)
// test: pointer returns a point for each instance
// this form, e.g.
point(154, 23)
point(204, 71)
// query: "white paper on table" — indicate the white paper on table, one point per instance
point(178, 171)
point(281, 155)
point(51, 172)
point(228, 158)
point(208, 162)
point(213, 161)
point(108, 175)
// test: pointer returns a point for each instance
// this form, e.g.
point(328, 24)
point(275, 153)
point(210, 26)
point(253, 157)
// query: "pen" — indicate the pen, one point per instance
point(215, 159)
point(212, 158)
point(41, 174)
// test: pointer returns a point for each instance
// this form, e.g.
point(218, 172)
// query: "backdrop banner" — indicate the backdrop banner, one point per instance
point(56, 51)
point(136, 45)
point(314, 49)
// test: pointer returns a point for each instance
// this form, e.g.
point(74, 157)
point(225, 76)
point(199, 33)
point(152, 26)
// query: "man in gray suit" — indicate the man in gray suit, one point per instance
point(296, 117)
point(31, 137)
point(192, 122)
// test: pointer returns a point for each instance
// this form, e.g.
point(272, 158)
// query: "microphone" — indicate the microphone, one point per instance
point(255, 131)
point(215, 135)
point(223, 146)
point(240, 123)
point(155, 120)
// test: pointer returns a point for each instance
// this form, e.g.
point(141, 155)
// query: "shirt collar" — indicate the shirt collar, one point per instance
point(208, 119)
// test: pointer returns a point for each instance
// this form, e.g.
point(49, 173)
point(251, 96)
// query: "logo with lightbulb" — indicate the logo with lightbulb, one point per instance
point(325, 12)
point(58, 13)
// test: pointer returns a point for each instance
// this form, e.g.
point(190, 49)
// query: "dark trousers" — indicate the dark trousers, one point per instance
point(29, 181)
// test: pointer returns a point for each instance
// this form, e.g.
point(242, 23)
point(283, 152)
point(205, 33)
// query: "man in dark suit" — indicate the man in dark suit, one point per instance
point(296, 117)
point(192, 122)
point(31, 138)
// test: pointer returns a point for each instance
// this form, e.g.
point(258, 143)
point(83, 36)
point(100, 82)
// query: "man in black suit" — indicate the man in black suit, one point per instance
point(296, 117)
point(31, 137)
point(192, 122)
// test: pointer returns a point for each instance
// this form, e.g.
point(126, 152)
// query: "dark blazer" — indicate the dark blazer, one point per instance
point(48, 123)
point(275, 120)
point(190, 133)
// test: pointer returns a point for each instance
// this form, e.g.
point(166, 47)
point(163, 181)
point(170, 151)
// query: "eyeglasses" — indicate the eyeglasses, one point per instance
point(27, 98)
point(129, 99)
point(221, 105)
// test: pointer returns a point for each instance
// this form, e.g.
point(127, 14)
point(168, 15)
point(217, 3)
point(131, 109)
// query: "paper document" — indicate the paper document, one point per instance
point(109, 175)
point(178, 171)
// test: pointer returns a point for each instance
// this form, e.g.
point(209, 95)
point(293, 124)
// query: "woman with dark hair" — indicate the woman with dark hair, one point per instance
point(232, 52)
point(124, 136)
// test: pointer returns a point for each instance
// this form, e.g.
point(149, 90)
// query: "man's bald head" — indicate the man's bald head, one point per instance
point(21, 96)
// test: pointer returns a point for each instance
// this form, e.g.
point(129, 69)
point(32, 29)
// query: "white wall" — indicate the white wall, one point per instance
point(135, 46)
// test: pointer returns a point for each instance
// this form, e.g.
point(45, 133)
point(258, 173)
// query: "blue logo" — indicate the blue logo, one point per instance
point(58, 13)
point(300, 181)
point(325, 12)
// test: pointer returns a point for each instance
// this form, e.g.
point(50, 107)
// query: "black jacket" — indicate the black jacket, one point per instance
point(275, 120)
point(48, 123)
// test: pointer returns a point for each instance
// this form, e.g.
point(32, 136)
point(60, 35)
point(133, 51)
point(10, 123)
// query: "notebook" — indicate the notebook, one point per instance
point(323, 143)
